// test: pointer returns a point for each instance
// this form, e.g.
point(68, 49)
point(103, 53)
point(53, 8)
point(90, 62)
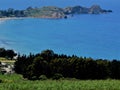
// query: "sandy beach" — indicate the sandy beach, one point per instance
point(7, 18)
point(11, 18)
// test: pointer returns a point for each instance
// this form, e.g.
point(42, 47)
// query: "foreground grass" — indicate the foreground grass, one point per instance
point(16, 82)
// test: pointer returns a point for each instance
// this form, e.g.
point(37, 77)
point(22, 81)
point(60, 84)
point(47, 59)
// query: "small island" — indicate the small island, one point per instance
point(52, 12)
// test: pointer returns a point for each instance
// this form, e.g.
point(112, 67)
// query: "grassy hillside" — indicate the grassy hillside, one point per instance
point(52, 11)
point(6, 60)
point(16, 82)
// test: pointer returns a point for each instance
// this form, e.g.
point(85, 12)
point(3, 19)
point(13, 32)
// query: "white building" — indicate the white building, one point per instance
point(6, 68)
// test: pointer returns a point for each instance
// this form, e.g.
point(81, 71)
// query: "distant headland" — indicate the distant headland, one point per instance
point(52, 12)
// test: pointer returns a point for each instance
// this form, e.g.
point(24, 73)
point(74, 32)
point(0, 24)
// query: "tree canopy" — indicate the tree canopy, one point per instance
point(52, 65)
point(9, 54)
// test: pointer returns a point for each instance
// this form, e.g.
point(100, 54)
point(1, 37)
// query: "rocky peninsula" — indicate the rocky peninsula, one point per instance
point(52, 12)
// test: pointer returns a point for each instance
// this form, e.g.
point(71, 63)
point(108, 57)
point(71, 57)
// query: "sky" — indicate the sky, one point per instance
point(22, 4)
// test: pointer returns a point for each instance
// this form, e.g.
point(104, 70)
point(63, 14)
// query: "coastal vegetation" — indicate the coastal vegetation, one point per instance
point(48, 64)
point(8, 54)
point(50, 71)
point(52, 11)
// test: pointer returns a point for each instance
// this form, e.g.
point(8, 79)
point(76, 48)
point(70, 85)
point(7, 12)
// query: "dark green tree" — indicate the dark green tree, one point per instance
point(37, 68)
point(2, 52)
point(10, 54)
point(115, 69)
point(48, 55)
point(49, 64)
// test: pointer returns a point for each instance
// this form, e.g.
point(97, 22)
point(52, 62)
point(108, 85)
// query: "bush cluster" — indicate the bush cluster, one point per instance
point(9, 54)
point(57, 66)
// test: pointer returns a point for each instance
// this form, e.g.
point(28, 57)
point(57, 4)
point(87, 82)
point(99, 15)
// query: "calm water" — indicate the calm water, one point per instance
point(94, 36)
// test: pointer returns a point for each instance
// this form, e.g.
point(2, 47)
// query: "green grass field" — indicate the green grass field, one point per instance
point(16, 82)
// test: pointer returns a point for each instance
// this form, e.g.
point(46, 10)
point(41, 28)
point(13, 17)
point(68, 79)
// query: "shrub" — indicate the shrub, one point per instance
point(1, 81)
point(43, 77)
point(57, 76)
point(33, 78)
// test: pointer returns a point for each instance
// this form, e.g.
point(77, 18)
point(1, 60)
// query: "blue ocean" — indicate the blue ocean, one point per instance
point(96, 36)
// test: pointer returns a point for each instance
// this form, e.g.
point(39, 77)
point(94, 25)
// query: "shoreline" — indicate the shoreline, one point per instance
point(7, 18)
point(18, 18)
point(12, 18)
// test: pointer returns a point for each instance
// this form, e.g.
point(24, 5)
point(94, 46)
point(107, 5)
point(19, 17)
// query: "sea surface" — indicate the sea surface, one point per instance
point(96, 36)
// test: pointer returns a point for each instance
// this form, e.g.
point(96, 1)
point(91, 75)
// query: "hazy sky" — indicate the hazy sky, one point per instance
point(21, 4)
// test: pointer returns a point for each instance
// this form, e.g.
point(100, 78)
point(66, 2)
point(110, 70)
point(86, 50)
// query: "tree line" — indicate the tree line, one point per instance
point(7, 53)
point(10, 12)
point(52, 65)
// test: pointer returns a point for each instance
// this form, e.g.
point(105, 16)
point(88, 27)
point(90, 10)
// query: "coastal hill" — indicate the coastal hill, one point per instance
point(52, 11)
